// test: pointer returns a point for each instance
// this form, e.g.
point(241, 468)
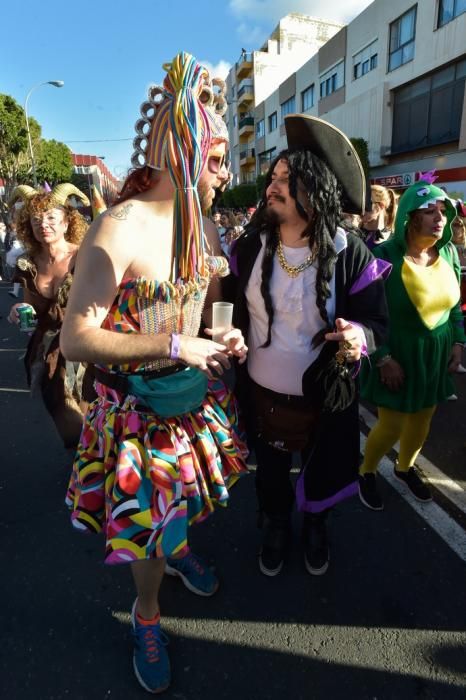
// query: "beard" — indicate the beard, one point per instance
point(205, 196)
point(272, 218)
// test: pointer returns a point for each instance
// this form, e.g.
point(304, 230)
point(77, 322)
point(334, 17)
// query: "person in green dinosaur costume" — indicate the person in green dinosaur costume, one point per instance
point(412, 373)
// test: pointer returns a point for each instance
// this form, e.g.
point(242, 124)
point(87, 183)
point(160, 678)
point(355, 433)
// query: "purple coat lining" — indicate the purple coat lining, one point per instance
point(374, 270)
point(319, 506)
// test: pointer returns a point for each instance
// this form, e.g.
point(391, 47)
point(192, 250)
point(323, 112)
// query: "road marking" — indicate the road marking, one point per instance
point(19, 391)
point(447, 528)
point(451, 489)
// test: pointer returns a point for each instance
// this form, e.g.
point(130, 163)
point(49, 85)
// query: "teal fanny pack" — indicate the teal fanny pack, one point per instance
point(173, 394)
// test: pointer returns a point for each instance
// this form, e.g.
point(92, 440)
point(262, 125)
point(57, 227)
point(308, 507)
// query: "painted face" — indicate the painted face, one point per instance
point(49, 226)
point(430, 222)
point(214, 174)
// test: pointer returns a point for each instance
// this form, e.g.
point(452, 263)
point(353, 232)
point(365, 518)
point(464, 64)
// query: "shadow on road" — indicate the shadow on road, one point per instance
point(387, 621)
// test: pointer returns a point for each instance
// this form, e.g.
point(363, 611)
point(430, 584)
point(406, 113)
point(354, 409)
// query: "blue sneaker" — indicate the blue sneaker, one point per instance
point(150, 660)
point(196, 576)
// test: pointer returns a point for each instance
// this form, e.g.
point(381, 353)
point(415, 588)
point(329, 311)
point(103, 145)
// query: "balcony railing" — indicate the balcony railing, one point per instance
point(247, 153)
point(245, 89)
point(248, 179)
point(246, 121)
point(246, 57)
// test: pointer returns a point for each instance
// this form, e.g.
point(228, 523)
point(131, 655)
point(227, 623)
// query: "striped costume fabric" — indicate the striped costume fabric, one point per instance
point(143, 479)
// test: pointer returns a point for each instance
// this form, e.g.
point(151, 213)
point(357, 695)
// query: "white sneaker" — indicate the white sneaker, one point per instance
point(453, 397)
point(461, 369)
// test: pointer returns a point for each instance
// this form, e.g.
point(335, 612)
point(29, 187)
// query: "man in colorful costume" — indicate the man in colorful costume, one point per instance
point(411, 373)
point(159, 447)
point(301, 279)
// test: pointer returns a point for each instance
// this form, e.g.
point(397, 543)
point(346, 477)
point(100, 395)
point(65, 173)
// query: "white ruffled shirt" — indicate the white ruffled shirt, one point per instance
point(280, 367)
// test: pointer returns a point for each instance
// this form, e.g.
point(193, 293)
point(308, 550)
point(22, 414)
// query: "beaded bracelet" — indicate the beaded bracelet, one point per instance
point(174, 346)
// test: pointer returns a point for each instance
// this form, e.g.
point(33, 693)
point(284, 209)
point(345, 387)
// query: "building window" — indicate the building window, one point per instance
point(273, 122)
point(332, 80)
point(307, 98)
point(428, 111)
point(365, 60)
point(449, 9)
point(260, 129)
point(265, 160)
point(288, 107)
point(402, 34)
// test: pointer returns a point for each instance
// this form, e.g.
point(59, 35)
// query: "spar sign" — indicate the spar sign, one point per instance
point(400, 180)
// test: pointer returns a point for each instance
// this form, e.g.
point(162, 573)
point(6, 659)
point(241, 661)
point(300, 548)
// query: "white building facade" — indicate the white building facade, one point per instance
point(395, 76)
point(256, 76)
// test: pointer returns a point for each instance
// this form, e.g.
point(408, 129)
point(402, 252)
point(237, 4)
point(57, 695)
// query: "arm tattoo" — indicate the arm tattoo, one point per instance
point(120, 214)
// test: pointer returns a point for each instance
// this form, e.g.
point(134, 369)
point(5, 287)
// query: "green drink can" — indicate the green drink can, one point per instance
point(26, 317)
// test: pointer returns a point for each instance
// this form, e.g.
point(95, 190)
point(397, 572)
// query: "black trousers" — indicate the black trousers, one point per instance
point(275, 492)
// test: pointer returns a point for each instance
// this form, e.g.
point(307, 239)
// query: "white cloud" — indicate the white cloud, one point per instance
point(265, 10)
point(219, 70)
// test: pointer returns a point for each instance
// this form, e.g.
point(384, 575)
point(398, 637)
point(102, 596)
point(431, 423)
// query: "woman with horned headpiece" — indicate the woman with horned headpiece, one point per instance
point(160, 445)
point(51, 231)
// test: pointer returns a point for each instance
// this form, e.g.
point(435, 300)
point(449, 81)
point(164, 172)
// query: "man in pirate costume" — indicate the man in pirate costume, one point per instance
point(301, 279)
point(160, 445)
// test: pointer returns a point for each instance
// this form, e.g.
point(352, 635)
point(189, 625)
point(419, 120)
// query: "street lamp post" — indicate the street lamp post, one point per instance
point(55, 83)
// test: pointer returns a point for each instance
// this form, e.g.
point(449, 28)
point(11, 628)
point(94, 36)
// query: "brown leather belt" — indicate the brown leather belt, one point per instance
point(284, 399)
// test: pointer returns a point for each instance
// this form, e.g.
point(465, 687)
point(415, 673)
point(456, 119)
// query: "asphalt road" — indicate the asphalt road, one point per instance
point(387, 622)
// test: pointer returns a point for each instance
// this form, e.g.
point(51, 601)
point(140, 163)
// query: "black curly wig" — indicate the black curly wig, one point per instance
point(323, 193)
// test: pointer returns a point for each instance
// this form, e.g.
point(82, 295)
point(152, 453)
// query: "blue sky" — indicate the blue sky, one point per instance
point(109, 51)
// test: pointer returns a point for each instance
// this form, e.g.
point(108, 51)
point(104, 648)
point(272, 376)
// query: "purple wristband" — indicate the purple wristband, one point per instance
point(175, 346)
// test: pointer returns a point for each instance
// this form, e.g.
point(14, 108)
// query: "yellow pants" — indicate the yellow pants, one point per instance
point(411, 429)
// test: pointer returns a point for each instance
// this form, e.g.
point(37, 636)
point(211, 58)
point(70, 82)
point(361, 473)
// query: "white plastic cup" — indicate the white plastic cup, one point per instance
point(222, 318)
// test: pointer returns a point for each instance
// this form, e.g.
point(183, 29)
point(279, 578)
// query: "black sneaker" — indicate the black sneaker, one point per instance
point(274, 548)
point(368, 493)
point(316, 551)
point(415, 480)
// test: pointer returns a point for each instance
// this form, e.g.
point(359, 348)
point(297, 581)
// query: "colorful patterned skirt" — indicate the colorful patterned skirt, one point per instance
point(143, 479)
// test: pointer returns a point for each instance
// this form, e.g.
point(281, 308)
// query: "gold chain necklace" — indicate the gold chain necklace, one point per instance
point(293, 270)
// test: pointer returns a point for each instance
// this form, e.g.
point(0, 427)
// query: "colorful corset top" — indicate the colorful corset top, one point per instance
point(149, 306)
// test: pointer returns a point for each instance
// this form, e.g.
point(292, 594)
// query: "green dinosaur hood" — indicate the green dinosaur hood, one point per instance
point(420, 193)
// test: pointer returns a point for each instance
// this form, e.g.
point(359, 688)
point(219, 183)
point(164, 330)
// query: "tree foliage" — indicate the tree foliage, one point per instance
point(260, 184)
point(362, 149)
point(53, 159)
point(14, 157)
point(240, 197)
point(83, 183)
point(53, 162)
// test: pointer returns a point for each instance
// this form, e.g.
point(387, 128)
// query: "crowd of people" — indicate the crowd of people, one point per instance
point(230, 224)
point(318, 285)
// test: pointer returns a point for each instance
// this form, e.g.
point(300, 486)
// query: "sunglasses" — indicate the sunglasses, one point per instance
point(216, 163)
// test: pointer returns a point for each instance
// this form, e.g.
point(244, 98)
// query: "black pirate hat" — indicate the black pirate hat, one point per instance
point(336, 150)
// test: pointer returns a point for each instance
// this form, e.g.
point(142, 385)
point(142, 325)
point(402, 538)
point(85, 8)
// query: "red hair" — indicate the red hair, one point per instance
point(138, 180)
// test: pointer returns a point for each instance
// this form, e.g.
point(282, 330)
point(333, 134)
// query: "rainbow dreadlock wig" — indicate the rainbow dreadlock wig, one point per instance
point(178, 124)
